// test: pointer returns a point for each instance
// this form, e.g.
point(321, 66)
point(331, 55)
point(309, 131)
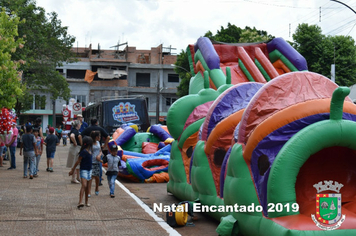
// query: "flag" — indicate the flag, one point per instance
point(89, 76)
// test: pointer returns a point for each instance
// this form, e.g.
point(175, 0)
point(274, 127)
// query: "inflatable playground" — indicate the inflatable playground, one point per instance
point(267, 147)
point(145, 155)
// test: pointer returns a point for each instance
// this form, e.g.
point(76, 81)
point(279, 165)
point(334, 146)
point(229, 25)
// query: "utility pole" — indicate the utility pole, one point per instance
point(54, 113)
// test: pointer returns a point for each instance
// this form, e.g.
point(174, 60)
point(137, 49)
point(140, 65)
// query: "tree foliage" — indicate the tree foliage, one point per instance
point(320, 51)
point(231, 34)
point(234, 34)
point(182, 69)
point(47, 45)
point(10, 77)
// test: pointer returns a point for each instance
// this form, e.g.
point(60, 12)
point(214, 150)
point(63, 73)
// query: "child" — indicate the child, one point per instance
point(113, 161)
point(51, 142)
point(85, 160)
point(39, 144)
point(28, 144)
point(64, 137)
point(95, 135)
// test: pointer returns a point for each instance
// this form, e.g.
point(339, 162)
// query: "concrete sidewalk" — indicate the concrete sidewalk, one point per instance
point(47, 205)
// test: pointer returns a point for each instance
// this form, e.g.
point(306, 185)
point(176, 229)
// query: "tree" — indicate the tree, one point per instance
point(320, 51)
point(234, 34)
point(182, 69)
point(10, 77)
point(47, 46)
point(231, 34)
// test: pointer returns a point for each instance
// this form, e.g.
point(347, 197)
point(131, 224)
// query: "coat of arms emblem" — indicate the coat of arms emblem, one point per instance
point(328, 206)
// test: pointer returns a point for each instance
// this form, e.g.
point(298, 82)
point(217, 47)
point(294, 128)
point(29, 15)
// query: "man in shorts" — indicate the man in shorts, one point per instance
point(51, 143)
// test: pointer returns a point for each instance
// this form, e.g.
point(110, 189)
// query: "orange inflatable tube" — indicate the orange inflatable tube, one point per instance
point(199, 67)
point(281, 66)
point(266, 64)
point(117, 133)
point(221, 128)
point(250, 66)
point(287, 116)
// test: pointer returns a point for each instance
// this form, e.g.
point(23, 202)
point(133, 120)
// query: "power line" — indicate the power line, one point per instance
point(341, 28)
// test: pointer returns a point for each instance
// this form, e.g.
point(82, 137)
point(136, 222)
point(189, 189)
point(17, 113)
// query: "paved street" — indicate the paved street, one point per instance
point(47, 205)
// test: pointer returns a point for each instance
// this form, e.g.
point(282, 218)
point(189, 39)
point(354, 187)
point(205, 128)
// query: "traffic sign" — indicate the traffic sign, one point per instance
point(66, 113)
point(77, 108)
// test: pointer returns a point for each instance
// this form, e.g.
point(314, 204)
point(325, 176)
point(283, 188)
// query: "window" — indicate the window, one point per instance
point(173, 78)
point(76, 74)
point(82, 99)
point(143, 79)
point(79, 98)
point(28, 102)
point(40, 102)
point(170, 101)
point(60, 71)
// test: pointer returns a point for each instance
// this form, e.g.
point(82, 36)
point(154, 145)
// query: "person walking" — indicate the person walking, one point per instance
point(113, 161)
point(47, 129)
point(95, 126)
point(58, 132)
point(97, 154)
point(37, 125)
point(64, 137)
point(75, 144)
point(85, 161)
point(12, 145)
point(28, 144)
point(39, 144)
point(51, 143)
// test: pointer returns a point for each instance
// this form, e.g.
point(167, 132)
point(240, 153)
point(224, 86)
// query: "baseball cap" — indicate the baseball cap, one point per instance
point(51, 130)
point(114, 146)
point(111, 144)
point(79, 115)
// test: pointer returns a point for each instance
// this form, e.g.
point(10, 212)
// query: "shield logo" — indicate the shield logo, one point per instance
point(328, 208)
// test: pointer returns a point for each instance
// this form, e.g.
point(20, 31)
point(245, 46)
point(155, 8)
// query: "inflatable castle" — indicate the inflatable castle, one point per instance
point(267, 147)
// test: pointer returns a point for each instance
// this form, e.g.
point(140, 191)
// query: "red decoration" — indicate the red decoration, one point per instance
point(6, 119)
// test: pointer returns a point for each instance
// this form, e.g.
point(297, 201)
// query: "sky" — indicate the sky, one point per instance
point(178, 23)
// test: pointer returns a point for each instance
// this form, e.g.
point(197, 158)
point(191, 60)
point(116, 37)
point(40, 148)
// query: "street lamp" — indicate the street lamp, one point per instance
point(344, 5)
point(158, 93)
point(182, 69)
point(333, 65)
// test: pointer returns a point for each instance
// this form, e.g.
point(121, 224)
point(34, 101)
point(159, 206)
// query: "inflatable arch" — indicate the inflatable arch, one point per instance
point(280, 145)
